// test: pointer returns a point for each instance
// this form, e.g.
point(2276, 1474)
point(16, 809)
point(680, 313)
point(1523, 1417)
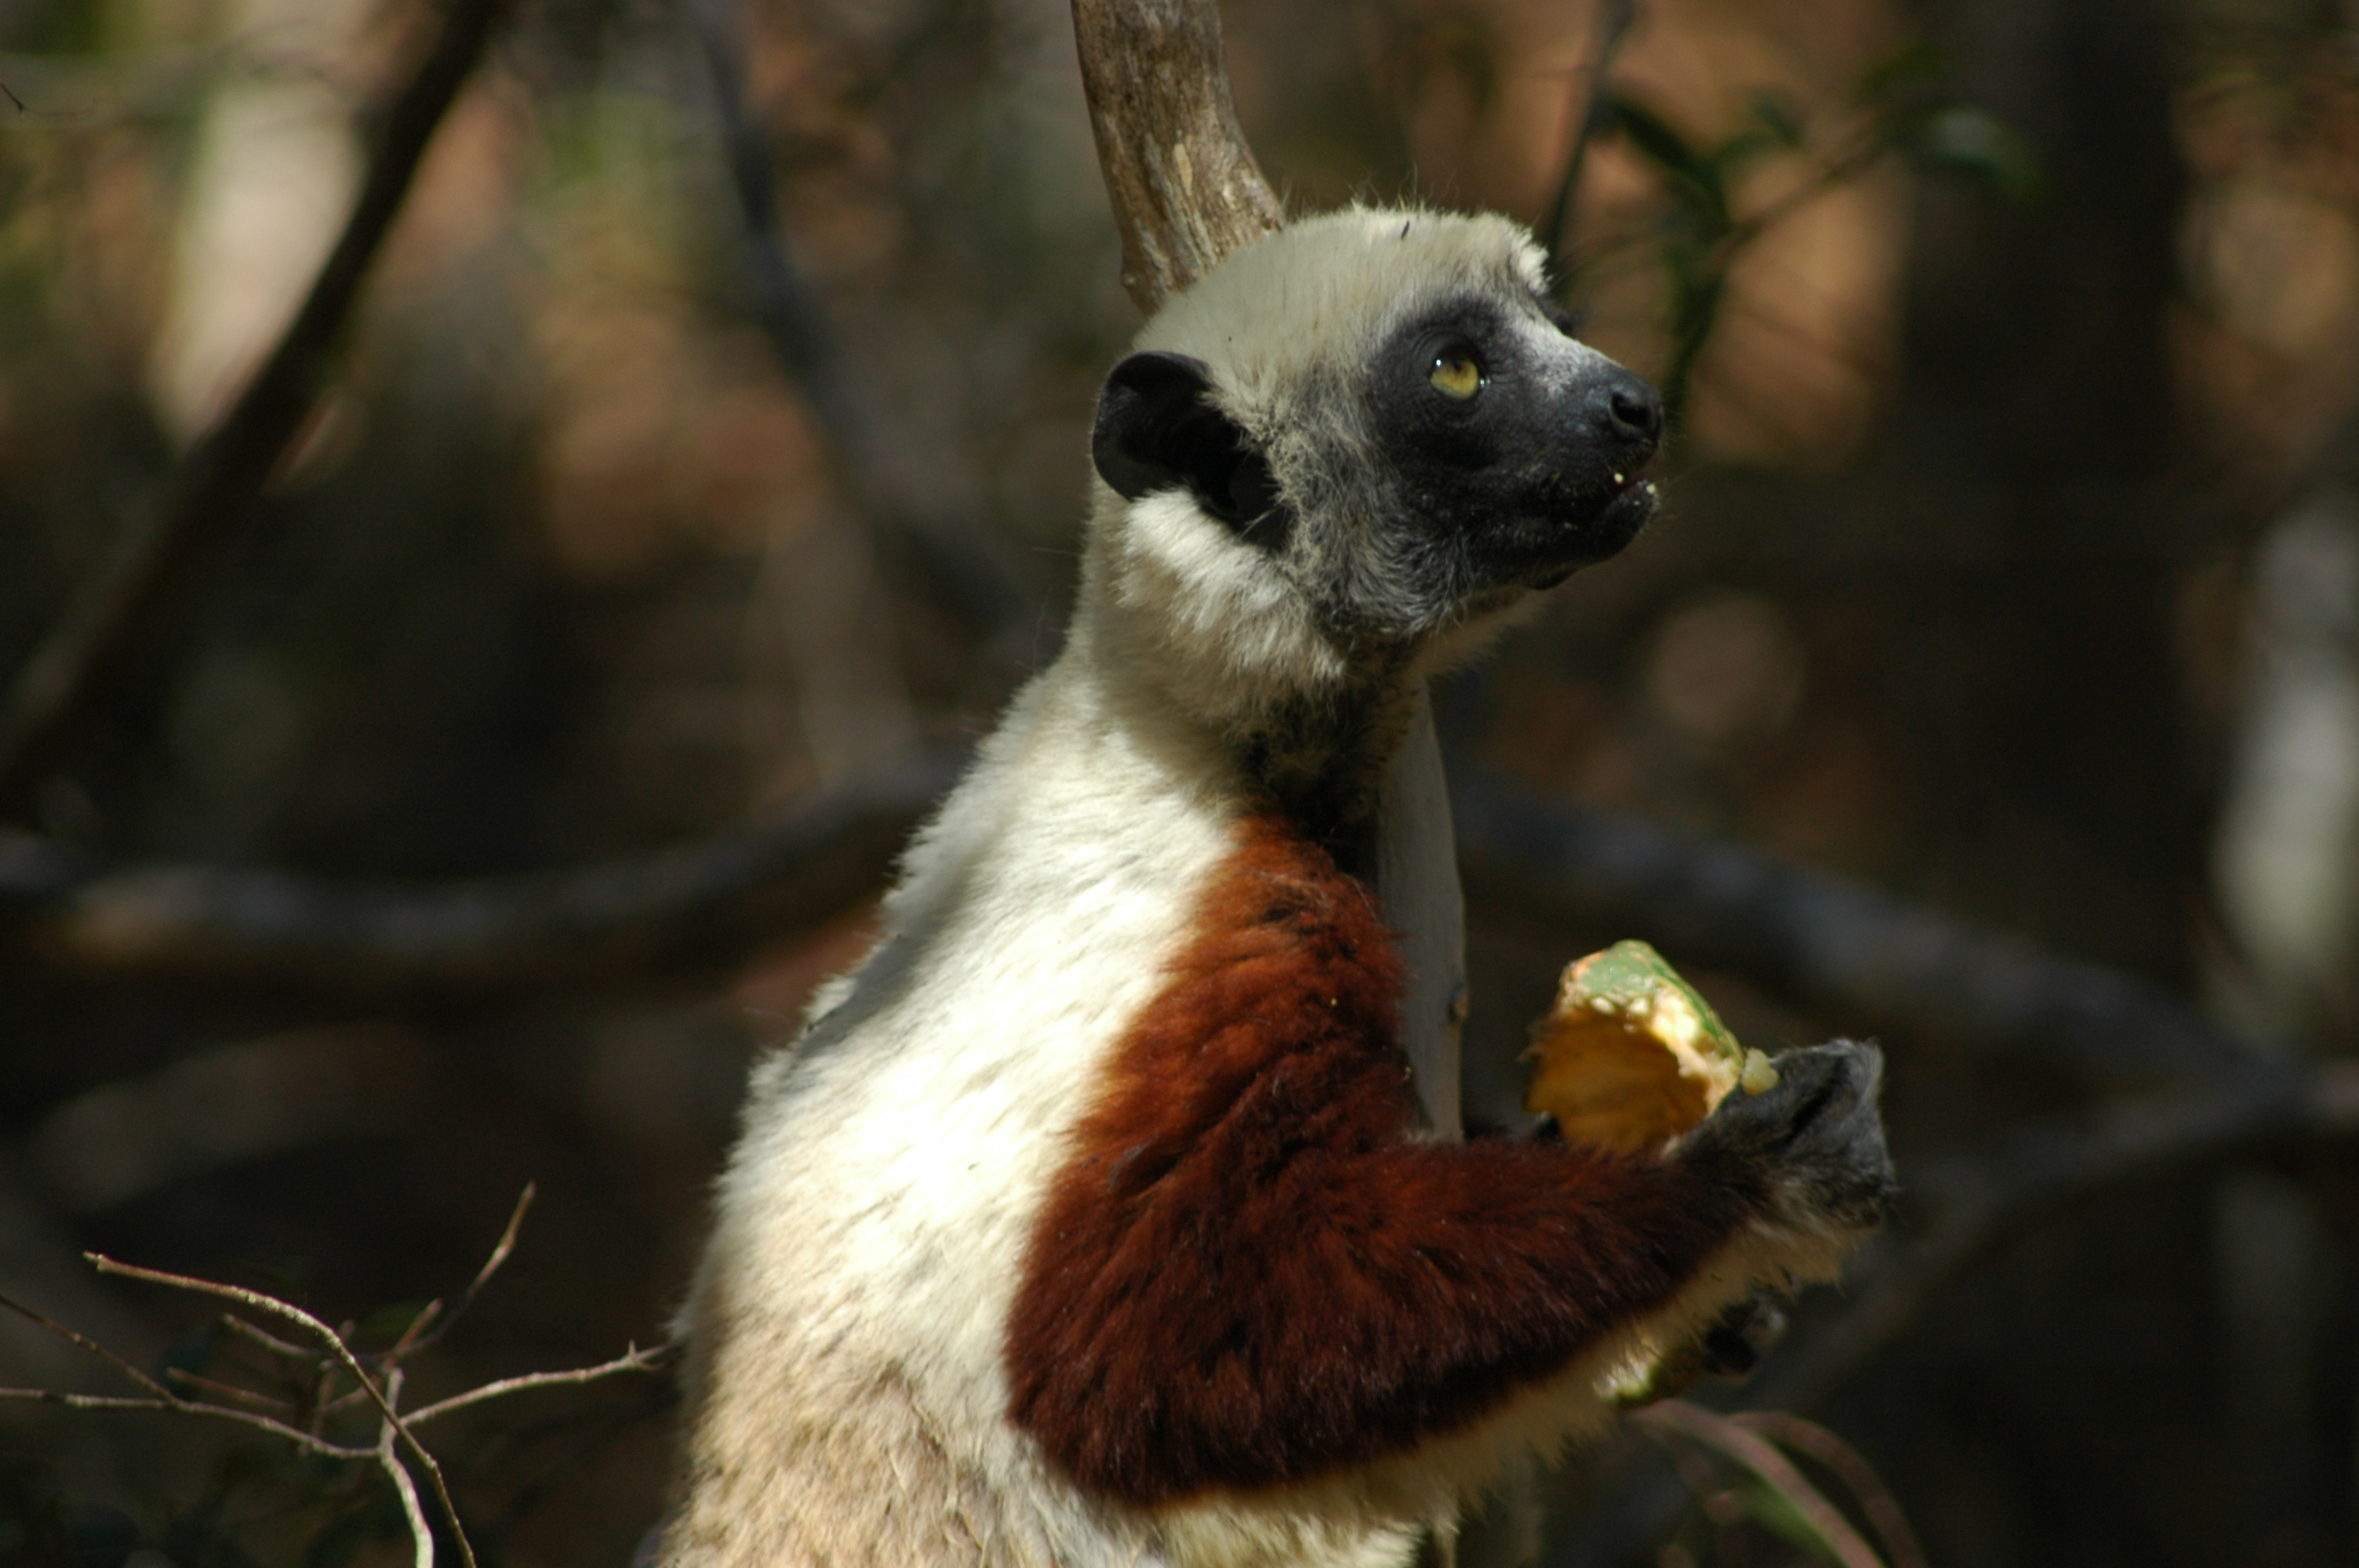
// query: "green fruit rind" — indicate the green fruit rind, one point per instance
point(1632, 979)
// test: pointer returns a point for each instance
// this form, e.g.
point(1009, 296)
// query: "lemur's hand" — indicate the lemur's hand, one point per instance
point(1817, 1139)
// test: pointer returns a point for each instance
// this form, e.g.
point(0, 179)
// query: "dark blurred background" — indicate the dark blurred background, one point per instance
point(2009, 563)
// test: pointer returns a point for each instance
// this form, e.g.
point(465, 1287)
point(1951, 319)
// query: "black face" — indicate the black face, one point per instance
point(1519, 450)
point(1509, 458)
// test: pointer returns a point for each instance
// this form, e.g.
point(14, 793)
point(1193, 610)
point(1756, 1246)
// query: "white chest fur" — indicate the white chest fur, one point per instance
point(874, 1218)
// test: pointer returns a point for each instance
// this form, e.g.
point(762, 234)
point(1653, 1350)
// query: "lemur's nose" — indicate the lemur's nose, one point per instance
point(1630, 408)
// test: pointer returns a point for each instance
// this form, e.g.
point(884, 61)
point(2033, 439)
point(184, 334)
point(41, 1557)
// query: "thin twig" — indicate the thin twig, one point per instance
point(682, 911)
point(266, 1339)
point(219, 1390)
point(412, 1338)
point(1876, 1500)
point(84, 1342)
point(1877, 962)
point(220, 479)
point(1614, 19)
point(88, 1402)
point(421, 1535)
point(632, 1360)
point(301, 1438)
point(972, 577)
point(651, 1360)
point(411, 1341)
point(336, 1347)
point(323, 1378)
point(500, 1251)
point(1757, 1454)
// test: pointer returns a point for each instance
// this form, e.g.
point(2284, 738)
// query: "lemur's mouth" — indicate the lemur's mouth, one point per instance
point(1625, 511)
point(1616, 519)
point(1595, 530)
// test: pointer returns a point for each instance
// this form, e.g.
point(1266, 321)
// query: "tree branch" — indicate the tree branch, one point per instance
point(974, 578)
point(421, 1534)
point(395, 1430)
point(84, 1342)
point(690, 910)
point(333, 1343)
point(1186, 190)
point(159, 1398)
point(634, 1360)
point(1185, 186)
point(1614, 19)
point(221, 479)
point(1877, 962)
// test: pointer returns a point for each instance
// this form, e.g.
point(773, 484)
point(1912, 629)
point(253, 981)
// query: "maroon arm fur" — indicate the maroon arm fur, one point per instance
point(1248, 1274)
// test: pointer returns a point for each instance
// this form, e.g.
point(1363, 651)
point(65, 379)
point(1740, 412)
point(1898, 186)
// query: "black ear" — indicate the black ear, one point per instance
point(1158, 429)
point(1156, 426)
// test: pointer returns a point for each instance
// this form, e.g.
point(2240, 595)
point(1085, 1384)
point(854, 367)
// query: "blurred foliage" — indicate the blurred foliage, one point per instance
point(1706, 225)
point(1954, 590)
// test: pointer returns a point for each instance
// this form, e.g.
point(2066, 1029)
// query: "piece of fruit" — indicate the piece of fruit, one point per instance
point(1631, 1056)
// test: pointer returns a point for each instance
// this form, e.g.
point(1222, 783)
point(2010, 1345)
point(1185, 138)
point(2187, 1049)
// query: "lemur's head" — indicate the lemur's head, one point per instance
point(1349, 440)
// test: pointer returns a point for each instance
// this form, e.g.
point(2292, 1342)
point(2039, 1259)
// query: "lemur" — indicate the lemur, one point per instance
point(1095, 1218)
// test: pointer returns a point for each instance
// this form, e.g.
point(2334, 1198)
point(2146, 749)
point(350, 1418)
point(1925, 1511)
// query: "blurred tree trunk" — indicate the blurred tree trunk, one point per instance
point(2031, 626)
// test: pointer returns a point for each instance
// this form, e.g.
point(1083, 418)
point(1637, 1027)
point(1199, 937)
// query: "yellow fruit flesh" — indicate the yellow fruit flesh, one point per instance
point(1631, 1058)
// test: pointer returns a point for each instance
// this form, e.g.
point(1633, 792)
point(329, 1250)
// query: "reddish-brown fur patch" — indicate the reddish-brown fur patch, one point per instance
point(1248, 1274)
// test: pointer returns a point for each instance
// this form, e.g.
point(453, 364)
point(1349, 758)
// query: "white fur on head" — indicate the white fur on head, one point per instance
point(1286, 327)
point(1324, 291)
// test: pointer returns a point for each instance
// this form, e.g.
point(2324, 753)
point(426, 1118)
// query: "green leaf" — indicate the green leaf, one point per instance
point(1777, 117)
point(1733, 155)
point(1653, 138)
point(1914, 68)
point(1775, 1512)
point(1972, 142)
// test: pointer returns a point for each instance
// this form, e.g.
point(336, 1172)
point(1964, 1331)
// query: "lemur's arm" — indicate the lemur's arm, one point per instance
point(1249, 1273)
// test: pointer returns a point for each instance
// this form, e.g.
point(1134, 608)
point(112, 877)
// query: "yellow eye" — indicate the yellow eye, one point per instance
point(1455, 376)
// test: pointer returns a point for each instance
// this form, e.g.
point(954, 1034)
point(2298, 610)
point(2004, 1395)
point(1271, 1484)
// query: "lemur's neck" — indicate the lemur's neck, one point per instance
point(1321, 761)
point(1355, 768)
point(1362, 778)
